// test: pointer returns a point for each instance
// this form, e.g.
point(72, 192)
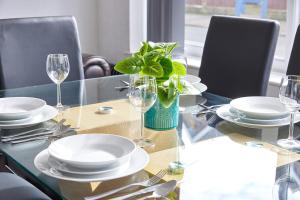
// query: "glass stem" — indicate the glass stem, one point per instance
point(178, 147)
point(58, 96)
point(142, 124)
point(291, 129)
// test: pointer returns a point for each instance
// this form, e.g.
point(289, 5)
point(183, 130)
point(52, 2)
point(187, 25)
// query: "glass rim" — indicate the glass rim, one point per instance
point(57, 55)
point(143, 76)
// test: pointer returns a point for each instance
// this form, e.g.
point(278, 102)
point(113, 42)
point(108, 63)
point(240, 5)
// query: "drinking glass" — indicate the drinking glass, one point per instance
point(58, 69)
point(287, 185)
point(289, 95)
point(142, 95)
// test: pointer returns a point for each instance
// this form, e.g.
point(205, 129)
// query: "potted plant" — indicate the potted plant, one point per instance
point(154, 59)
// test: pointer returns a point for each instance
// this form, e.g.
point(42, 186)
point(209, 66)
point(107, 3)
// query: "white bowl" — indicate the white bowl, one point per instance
point(258, 107)
point(15, 108)
point(92, 150)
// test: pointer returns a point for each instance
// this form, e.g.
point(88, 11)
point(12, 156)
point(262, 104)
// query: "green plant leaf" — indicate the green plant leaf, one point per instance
point(171, 90)
point(164, 98)
point(166, 63)
point(170, 47)
point(180, 87)
point(178, 68)
point(144, 48)
point(166, 47)
point(153, 69)
point(161, 80)
point(151, 56)
point(130, 65)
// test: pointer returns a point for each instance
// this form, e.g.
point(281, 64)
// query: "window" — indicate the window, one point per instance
point(199, 12)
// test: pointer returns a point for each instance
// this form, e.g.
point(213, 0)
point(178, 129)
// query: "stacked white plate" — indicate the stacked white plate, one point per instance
point(192, 84)
point(91, 157)
point(256, 112)
point(18, 112)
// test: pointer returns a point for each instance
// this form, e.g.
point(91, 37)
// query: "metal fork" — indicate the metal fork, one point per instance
point(61, 134)
point(125, 82)
point(59, 131)
point(52, 128)
point(149, 182)
point(208, 109)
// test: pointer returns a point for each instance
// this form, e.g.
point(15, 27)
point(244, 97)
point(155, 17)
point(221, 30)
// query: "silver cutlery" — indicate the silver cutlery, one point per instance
point(213, 107)
point(121, 87)
point(62, 132)
point(149, 182)
point(51, 128)
point(44, 133)
point(208, 109)
point(125, 82)
point(27, 136)
point(163, 188)
point(39, 138)
point(29, 140)
point(162, 191)
point(204, 112)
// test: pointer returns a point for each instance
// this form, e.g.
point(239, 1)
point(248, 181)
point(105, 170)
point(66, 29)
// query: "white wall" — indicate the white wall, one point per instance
point(106, 27)
point(113, 20)
point(85, 11)
point(138, 23)
point(122, 26)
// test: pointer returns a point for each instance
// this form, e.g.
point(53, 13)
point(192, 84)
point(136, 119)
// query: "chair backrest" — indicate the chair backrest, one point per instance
point(25, 44)
point(294, 61)
point(238, 55)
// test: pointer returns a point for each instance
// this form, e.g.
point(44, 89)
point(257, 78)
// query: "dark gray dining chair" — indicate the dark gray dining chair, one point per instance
point(294, 61)
point(13, 187)
point(238, 55)
point(25, 44)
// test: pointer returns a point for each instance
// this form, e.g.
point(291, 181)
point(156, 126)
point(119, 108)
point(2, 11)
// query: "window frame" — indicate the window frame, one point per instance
point(280, 62)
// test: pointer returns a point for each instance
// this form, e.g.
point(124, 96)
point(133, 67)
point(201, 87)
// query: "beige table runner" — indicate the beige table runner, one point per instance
point(125, 121)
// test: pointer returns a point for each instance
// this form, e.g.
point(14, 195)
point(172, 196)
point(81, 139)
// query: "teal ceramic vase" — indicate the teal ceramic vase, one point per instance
point(160, 118)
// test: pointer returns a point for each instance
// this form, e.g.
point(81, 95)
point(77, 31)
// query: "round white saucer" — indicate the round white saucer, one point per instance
point(138, 161)
point(224, 113)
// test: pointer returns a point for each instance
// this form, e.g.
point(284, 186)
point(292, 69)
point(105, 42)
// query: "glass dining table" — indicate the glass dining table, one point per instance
point(219, 160)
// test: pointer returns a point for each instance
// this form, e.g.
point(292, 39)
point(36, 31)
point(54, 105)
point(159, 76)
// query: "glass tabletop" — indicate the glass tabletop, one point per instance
point(220, 160)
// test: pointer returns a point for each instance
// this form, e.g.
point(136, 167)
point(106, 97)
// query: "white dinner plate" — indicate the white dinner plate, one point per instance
point(191, 78)
point(194, 89)
point(92, 150)
point(14, 108)
point(15, 121)
point(47, 113)
point(225, 113)
point(63, 167)
point(260, 107)
point(139, 160)
point(256, 121)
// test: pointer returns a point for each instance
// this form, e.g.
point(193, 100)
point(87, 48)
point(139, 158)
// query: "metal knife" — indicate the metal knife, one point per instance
point(142, 191)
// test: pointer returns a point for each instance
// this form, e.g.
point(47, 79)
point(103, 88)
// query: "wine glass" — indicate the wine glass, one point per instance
point(289, 95)
point(287, 185)
point(142, 95)
point(58, 69)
